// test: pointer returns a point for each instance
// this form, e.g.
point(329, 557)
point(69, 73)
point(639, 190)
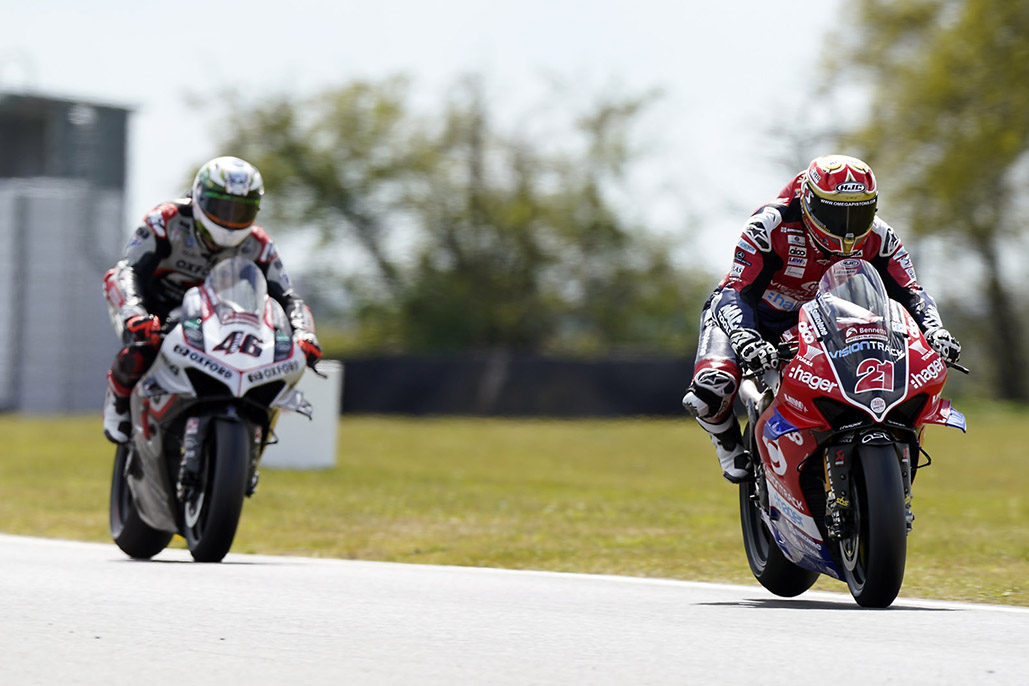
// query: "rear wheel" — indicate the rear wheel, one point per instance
point(875, 553)
point(135, 537)
point(211, 510)
point(770, 567)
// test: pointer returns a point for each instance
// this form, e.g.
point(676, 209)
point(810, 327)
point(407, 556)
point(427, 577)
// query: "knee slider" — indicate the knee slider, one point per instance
point(714, 388)
point(130, 364)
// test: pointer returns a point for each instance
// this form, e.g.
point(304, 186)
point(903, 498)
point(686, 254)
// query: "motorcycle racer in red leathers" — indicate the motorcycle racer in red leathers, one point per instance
point(173, 250)
point(825, 214)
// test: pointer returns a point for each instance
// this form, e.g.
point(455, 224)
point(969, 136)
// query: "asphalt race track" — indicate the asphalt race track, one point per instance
point(81, 613)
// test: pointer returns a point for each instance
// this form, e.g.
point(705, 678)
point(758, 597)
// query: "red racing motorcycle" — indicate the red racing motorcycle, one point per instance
point(836, 437)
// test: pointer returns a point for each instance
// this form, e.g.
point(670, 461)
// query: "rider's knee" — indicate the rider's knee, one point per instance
point(130, 364)
point(711, 395)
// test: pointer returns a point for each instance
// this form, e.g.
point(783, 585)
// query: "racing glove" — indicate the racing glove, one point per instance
point(144, 328)
point(308, 342)
point(752, 351)
point(943, 343)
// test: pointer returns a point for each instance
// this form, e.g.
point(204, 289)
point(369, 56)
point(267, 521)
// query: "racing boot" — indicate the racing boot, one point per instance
point(117, 423)
point(728, 442)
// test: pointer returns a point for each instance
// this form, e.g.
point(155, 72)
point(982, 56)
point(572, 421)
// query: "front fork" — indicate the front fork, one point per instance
point(194, 436)
point(839, 513)
point(757, 393)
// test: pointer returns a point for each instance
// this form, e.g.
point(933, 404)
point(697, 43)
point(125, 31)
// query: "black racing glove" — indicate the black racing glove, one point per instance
point(753, 351)
point(943, 343)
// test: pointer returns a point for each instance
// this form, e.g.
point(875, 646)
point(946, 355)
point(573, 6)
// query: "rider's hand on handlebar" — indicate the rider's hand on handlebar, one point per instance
point(145, 328)
point(753, 351)
point(312, 351)
point(944, 343)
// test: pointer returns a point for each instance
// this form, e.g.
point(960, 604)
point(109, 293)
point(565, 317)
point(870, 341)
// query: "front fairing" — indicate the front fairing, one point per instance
point(864, 336)
point(232, 331)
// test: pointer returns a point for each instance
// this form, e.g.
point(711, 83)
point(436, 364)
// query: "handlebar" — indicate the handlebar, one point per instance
point(955, 365)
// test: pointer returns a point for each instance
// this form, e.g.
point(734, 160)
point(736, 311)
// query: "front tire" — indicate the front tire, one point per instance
point(136, 538)
point(875, 554)
point(211, 512)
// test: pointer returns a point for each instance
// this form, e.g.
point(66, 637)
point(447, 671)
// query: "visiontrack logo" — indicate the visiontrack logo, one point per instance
point(858, 346)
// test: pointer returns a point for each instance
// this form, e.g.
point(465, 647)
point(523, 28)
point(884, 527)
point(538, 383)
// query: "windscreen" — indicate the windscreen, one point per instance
point(867, 352)
point(238, 283)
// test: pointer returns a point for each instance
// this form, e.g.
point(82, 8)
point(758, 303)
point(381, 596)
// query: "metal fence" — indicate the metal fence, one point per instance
point(511, 384)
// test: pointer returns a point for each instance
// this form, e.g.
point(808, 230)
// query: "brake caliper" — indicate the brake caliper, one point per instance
point(189, 464)
point(838, 512)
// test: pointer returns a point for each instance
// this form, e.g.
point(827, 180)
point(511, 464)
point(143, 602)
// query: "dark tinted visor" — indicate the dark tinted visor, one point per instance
point(230, 211)
point(842, 218)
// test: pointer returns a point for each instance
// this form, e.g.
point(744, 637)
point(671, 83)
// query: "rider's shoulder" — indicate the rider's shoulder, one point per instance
point(160, 217)
point(260, 244)
point(882, 240)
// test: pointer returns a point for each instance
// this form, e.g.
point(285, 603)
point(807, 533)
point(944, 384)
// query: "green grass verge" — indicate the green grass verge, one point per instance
point(632, 497)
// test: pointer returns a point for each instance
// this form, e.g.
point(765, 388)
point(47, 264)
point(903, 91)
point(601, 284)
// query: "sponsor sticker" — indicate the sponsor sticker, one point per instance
point(858, 346)
point(863, 332)
point(758, 234)
point(730, 317)
point(796, 272)
point(780, 301)
point(794, 403)
point(812, 381)
point(930, 373)
point(274, 371)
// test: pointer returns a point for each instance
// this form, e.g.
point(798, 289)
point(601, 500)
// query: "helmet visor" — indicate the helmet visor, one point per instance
point(841, 218)
point(229, 211)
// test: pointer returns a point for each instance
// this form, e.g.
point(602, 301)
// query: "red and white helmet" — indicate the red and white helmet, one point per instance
point(839, 197)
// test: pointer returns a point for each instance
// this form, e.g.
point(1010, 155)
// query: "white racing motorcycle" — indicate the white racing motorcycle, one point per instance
point(203, 414)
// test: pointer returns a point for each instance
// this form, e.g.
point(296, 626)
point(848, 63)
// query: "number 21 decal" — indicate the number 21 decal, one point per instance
point(874, 375)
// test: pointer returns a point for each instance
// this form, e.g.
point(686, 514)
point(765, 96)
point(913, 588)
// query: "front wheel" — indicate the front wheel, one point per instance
point(212, 508)
point(135, 537)
point(874, 554)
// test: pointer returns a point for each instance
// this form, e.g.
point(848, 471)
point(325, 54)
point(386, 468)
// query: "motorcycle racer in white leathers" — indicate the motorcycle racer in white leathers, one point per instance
point(173, 250)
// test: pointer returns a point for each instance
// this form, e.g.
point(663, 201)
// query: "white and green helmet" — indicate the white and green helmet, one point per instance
point(226, 197)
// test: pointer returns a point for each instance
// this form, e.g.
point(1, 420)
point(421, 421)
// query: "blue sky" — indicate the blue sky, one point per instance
point(728, 71)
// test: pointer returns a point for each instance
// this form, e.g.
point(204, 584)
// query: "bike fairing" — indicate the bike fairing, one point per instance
point(873, 379)
point(224, 300)
point(168, 395)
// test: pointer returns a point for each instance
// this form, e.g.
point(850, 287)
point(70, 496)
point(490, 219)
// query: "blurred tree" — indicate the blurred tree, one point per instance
point(948, 130)
point(476, 239)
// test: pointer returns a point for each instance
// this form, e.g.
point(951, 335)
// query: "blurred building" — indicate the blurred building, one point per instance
point(62, 198)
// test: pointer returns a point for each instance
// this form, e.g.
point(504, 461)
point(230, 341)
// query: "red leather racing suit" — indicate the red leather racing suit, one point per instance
point(776, 269)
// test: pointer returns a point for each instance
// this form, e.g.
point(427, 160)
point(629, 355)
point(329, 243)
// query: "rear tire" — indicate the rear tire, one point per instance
point(874, 556)
point(769, 565)
point(211, 514)
point(136, 538)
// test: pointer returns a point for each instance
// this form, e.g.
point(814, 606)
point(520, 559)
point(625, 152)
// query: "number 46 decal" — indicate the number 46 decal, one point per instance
point(236, 342)
point(874, 375)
